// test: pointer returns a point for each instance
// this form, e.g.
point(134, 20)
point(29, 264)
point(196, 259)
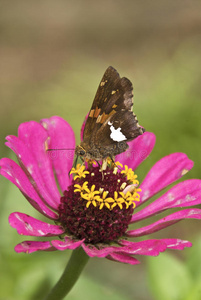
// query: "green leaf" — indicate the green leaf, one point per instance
point(194, 259)
point(195, 293)
point(169, 278)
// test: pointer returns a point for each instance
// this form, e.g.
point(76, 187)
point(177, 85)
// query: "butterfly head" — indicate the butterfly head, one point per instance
point(85, 152)
point(80, 151)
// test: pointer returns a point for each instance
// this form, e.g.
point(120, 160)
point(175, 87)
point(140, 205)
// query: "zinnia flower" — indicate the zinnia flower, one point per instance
point(94, 209)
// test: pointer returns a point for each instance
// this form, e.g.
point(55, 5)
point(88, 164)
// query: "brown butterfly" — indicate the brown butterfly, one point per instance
point(111, 122)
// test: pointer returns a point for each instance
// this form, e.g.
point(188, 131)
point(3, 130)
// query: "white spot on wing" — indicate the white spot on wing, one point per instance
point(116, 134)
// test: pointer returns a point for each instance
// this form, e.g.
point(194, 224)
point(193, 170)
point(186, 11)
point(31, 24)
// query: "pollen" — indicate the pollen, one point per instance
point(99, 208)
point(98, 198)
point(79, 171)
point(122, 187)
point(101, 190)
point(117, 163)
point(115, 170)
point(184, 171)
point(79, 188)
point(131, 177)
point(90, 195)
point(105, 201)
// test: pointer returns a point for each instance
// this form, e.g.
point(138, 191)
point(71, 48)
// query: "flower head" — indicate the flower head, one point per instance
point(95, 208)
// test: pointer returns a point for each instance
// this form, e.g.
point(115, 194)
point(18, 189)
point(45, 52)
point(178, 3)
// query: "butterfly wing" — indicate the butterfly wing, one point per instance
point(121, 126)
point(111, 119)
point(111, 91)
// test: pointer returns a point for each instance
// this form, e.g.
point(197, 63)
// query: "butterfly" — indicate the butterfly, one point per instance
point(111, 122)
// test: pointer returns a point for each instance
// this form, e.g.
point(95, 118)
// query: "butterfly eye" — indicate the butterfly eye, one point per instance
point(82, 152)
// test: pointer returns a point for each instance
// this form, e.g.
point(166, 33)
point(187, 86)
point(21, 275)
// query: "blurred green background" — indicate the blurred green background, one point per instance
point(52, 57)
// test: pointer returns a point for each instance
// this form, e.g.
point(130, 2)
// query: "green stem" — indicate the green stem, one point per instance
point(70, 275)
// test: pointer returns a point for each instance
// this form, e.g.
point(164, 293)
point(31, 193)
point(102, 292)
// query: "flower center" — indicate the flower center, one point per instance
point(98, 205)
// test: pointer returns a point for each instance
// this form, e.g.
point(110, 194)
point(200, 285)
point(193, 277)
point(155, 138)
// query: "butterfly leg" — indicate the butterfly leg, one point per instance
point(104, 165)
point(113, 161)
point(74, 165)
point(98, 163)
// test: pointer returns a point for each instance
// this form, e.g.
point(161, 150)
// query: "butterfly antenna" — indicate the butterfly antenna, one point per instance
point(60, 149)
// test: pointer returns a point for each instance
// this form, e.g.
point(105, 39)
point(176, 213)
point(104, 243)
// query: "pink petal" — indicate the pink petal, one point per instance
point(147, 247)
point(93, 251)
point(27, 225)
point(167, 170)
point(186, 193)
point(123, 258)
point(32, 246)
point(67, 244)
point(36, 165)
point(37, 140)
point(138, 150)
point(176, 244)
point(14, 173)
point(194, 213)
point(107, 250)
point(61, 137)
